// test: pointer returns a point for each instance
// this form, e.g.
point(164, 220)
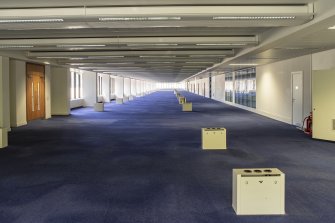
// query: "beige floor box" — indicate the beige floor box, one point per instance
point(214, 138)
point(182, 100)
point(187, 107)
point(119, 100)
point(99, 107)
point(3, 138)
point(258, 191)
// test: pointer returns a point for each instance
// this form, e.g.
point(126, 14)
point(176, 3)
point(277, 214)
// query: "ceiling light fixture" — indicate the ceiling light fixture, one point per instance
point(86, 45)
point(157, 56)
point(152, 44)
point(15, 46)
point(30, 20)
point(221, 44)
point(118, 19)
point(332, 27)
point(243, 64)
point(99, 57)
point(76, 64)
point(253, 17)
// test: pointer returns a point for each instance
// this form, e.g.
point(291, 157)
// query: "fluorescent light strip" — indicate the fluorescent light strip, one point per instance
point(99, 57)
point(88, 45)
point(332, 27)
point(52, 57)
point(196, 62)
point(221, 44)
point(253, 17)
point(243, 64)
point(118, 19)
point(160, 62)
point(15, 46)
point(153, 44)
point(76, 64)
point(31, 20)
point(157, 56)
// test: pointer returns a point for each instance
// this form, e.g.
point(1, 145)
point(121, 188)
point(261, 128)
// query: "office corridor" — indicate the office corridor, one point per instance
point(142, 162)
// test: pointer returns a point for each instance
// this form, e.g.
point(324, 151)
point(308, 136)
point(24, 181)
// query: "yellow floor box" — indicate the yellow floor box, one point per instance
point(187, 107)
point(182, 100)
point(214, 138)
point(258, 191)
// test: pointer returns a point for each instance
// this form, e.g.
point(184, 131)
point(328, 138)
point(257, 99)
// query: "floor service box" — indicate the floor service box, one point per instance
point(182, 100)
point(214, 138)
point(119, 100)
point(187, 107)
point(259, 191)
point(99, 107)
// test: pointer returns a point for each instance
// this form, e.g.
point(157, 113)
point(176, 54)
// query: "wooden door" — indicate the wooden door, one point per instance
point(35, 92)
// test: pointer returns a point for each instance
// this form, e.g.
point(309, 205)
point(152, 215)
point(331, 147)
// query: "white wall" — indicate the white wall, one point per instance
point(89, 88)
point(274, 88)
point(106, 87)
point(60, 91)
point(18, 106)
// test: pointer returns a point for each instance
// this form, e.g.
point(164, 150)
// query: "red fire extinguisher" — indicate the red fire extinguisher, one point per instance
point(308, 121)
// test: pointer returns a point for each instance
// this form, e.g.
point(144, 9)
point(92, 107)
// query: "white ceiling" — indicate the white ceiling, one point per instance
point(188, 41)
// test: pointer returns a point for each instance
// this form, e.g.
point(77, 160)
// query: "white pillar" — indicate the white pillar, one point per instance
point(133, 87)
point(127, 89)
point(89, 82)
point(17, 78)
point(119, 89)
point(112, 87)
point(106, 88)
point(4, 102)
point(60, 91)
point(138, 87)
point(48, 91)
point(142, 88)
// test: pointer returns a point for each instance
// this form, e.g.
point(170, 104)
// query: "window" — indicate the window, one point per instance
point(245, 87)
point(76, 84)
point(229, 87)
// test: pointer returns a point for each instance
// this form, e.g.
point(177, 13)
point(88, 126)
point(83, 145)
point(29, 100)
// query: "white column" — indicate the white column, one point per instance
point(138, 87)
point(60, 91)
point(112, 87)
point(17, 78)
point(48, 91)
point(133, 87)
point(106, 88)
point(127, 89)
point(4, 102)
point(119, 89)
point(142, 88)
point(89, 80)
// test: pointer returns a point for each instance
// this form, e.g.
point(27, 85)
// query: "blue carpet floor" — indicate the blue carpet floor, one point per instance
point(141, 162)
